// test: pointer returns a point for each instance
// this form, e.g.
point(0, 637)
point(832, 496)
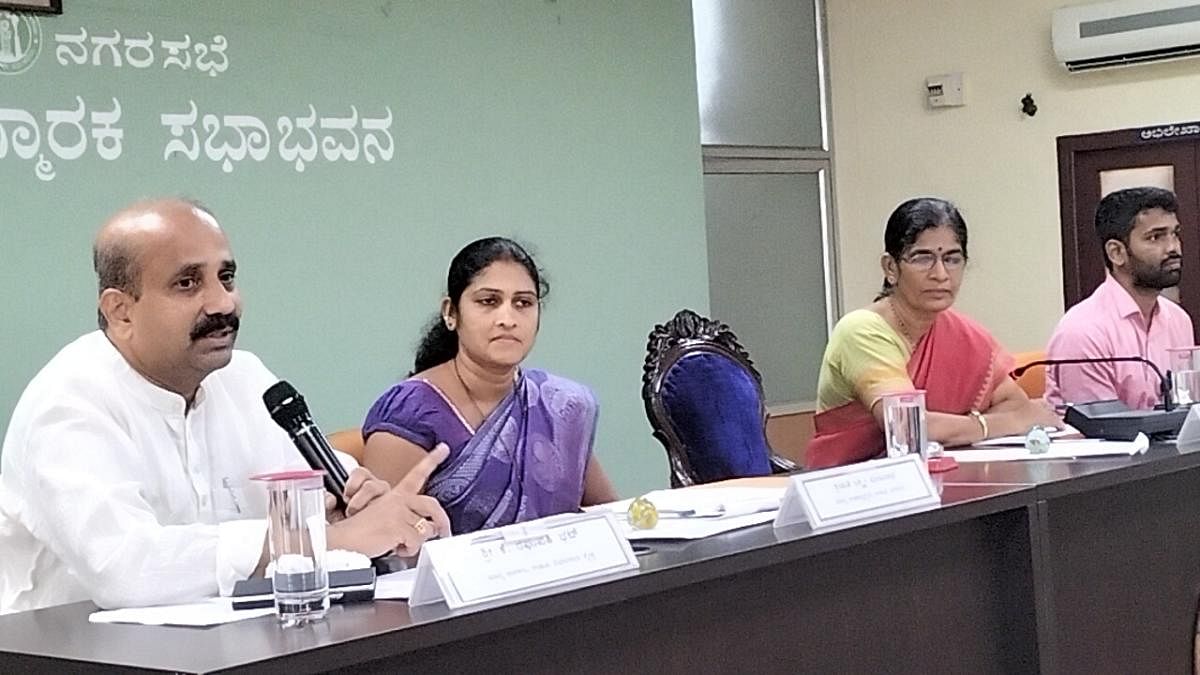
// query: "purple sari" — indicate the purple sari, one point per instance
point(526, 460)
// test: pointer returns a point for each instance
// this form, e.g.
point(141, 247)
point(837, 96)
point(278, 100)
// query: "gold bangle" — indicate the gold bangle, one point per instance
point(979, 417)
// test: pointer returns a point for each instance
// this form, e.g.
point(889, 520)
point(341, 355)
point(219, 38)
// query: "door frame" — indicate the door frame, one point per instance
point(1068, 149)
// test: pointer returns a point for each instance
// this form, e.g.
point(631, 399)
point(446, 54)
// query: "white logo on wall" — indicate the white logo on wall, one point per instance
point(141, 52)
point(20, 42)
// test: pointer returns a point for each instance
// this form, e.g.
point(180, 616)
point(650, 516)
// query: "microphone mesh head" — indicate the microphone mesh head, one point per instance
point(286, 405)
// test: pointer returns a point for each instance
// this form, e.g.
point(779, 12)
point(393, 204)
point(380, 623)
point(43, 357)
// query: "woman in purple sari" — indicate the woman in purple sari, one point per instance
point(520, 439)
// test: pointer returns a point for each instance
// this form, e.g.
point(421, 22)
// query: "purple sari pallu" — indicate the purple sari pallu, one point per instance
point(527, 459)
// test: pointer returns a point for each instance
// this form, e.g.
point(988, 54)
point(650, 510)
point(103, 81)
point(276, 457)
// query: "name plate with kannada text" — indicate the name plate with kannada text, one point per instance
point(491, 565)
point(858, 492)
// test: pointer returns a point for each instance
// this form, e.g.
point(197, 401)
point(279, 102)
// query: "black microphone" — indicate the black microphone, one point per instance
point(1164, 381)
point(288, 409)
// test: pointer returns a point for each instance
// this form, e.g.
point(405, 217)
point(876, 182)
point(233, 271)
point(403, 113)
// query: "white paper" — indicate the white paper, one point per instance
point(716, 501)
point(699, 512)
point(1019, 440)
point(396, 585)
point(211, 612)
point(1059, 449)
point(681, 529)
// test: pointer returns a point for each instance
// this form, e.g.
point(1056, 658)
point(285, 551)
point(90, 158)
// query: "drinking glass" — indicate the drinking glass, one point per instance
point(1185, 374)
point(296, 536)
point(904, 423)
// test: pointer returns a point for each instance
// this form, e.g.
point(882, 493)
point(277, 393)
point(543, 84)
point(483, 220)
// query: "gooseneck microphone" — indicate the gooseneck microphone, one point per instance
point(288, 409)
point(1164, 381)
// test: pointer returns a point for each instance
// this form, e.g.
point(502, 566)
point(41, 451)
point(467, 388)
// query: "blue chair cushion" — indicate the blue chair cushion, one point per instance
point(712, 403)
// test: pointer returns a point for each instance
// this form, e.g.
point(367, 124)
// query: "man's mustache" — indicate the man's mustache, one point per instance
point(211, 323)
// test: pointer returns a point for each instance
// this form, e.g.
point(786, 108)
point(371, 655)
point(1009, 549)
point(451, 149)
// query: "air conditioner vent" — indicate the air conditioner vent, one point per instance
point(1151, 56)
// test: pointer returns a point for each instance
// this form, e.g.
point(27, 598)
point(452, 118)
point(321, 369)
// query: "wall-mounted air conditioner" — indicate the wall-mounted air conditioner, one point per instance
point(1125, 33)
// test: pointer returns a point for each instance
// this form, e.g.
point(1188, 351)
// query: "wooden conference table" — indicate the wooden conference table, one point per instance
point(1054, 566)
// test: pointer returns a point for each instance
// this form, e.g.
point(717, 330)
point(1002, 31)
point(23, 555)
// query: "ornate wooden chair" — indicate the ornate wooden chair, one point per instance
point(705, 403)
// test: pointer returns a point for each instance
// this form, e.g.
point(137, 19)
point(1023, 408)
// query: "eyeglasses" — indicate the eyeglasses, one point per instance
point(925, 261)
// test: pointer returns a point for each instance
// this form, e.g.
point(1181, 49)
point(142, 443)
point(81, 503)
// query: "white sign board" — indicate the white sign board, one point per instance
point(497, 564)
point(857, 492)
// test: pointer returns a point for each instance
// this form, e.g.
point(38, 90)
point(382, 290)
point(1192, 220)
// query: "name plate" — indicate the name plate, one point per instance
point(498, 564)
point(858, 492)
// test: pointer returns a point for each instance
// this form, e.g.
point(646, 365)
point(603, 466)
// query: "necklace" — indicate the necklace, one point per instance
point(900, 320)
point(467, 391)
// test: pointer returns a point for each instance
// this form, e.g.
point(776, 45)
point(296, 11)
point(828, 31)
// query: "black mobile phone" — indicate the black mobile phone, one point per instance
point(345, 586)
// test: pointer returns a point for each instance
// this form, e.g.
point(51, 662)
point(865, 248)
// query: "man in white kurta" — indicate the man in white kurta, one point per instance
point(124, 477)
point(110, 490)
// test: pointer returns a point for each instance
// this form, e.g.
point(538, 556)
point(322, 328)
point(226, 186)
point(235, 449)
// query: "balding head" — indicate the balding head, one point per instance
point(118, 247)
point(168, 298)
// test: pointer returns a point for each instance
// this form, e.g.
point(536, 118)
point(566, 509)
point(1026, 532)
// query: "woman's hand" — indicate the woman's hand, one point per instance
point(1040, 413)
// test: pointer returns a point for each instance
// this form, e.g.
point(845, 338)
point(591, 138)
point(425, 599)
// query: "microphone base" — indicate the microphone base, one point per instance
point(1114, 421)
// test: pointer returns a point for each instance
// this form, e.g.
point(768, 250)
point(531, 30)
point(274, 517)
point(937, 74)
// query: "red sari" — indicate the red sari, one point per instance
point(958, 364)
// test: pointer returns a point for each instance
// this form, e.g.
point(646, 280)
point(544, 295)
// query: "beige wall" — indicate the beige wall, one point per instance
point(997, 164)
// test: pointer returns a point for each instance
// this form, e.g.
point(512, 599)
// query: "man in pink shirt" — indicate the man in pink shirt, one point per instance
point(1126, 315)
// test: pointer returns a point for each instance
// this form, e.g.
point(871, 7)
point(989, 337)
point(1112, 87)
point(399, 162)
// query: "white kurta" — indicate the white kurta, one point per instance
point(111, 491)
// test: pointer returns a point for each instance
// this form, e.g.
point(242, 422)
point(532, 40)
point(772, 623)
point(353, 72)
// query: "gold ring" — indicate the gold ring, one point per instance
point(421, 526)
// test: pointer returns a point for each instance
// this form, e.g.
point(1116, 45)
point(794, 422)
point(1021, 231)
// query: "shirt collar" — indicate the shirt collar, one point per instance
point(1122, 300)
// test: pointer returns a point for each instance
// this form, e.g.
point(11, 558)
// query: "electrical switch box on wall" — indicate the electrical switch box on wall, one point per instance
point(945, 91)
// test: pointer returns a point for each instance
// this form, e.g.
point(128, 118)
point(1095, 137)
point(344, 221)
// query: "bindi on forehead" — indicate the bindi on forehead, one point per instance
point(940, 248)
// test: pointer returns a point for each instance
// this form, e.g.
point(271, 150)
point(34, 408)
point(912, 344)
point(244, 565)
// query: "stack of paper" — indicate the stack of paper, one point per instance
point(695, 513)
point(209, 612)
point(1001, 441)
point(395, 585)
point(1061, 448)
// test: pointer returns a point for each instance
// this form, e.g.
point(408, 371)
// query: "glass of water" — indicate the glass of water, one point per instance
point(296, 536)
point(904, 423)
point(1185, 374)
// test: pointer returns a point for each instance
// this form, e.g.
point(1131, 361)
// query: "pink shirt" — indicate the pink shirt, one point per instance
point(1109, 323)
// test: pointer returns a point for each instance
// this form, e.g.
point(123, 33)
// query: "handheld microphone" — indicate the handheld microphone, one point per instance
point(288, 409)
point(1164, 381)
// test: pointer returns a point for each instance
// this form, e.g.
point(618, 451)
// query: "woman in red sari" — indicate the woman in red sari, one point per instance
point(910, 338)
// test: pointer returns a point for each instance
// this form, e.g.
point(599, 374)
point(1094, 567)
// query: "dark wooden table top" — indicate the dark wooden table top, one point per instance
point(369, 631)
point(1057, 477)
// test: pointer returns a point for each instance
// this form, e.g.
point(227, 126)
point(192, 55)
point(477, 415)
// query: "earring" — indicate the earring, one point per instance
point(448, 322)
